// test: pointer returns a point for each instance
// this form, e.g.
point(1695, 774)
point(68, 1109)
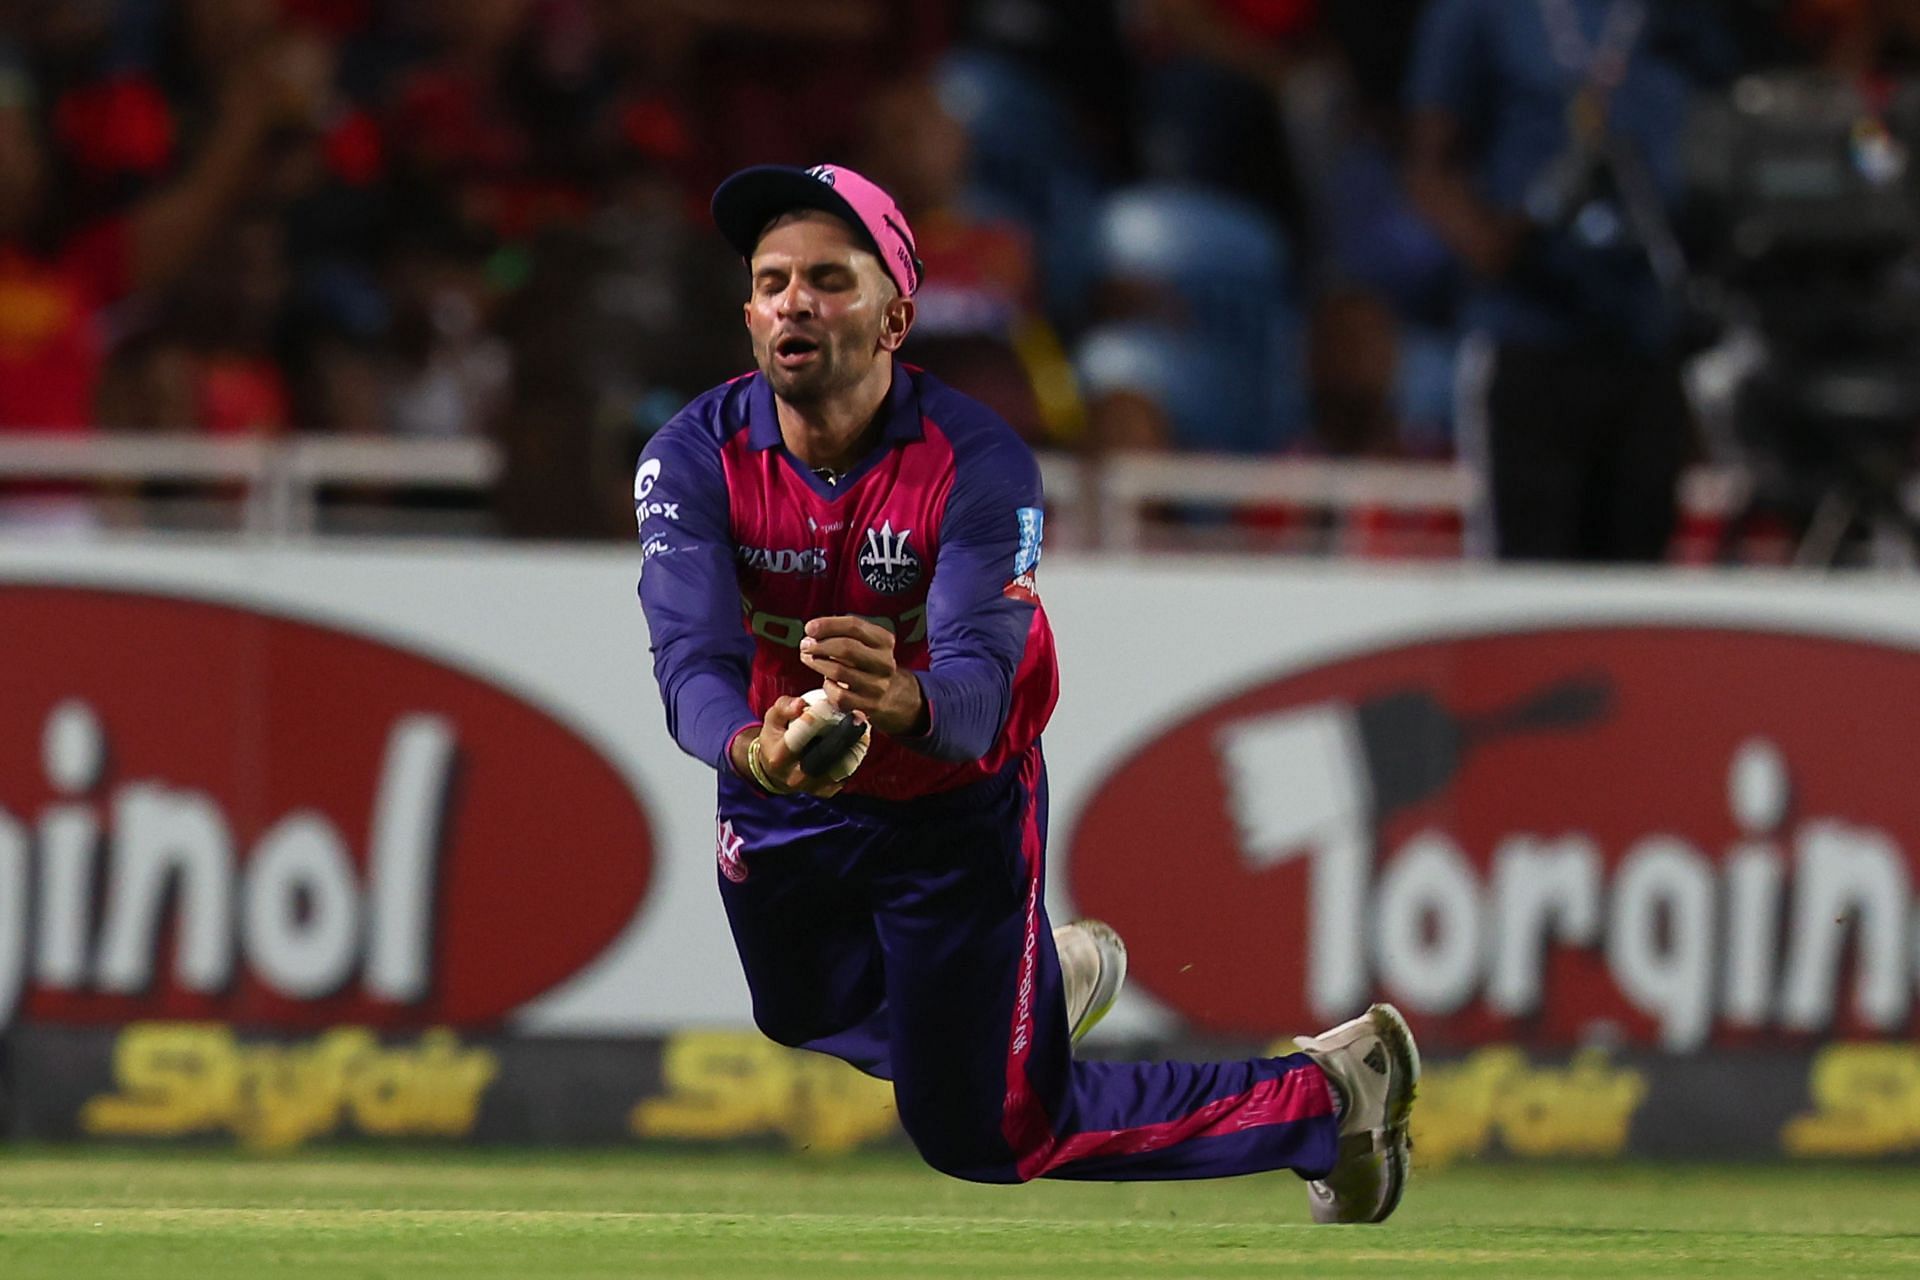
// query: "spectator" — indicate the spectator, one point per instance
point(449, 370)
point(979, 319)
point(1213, 91)
point(222, 320)
point(1544, 150)
point(1352, 353)
point(622, 319)
point(56, 281)
point(1382, 279)
point(695, 88)
point(491, 115)
point(65, 280)
point(1079, 49)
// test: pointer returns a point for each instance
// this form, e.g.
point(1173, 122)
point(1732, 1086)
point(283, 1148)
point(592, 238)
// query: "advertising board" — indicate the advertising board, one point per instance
point(391, 840)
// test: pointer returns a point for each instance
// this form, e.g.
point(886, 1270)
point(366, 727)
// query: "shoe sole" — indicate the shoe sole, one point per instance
point(1106, 988)
point(1404, 1056)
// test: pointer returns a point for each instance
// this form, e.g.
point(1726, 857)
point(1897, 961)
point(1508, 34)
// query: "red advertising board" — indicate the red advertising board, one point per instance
point(214, 813)
point(1655, 835)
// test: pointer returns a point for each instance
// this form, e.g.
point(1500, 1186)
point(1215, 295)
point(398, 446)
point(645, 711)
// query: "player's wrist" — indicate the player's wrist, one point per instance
point(903, 711)
point(757, 770)
point(737, 750)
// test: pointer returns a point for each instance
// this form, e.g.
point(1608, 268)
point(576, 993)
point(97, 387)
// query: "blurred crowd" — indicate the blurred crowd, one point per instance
point(1209, 225)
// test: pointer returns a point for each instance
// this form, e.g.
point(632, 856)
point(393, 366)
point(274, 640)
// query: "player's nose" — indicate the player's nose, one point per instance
point(795, 300)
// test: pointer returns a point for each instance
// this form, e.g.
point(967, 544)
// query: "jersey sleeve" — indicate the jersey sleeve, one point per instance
point(702, 656)
point(979, 604)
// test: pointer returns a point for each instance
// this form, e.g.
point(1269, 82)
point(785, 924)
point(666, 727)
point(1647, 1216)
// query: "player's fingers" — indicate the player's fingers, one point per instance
point(854, 701)
point(784, 712)
point(860, 629)
point(826, 666)
point(841, 697)
point(773, 737)
point(862, 684)
point(853, 689)
point(854, 653)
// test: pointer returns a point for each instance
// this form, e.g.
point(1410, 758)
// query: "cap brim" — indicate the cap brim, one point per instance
point(744, 204)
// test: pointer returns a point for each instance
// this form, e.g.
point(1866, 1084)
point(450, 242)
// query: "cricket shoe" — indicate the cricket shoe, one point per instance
point(1093, 967)
point(1374, 1068)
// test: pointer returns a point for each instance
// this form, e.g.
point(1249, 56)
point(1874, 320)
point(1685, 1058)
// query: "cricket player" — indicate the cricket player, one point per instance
point(841, 520)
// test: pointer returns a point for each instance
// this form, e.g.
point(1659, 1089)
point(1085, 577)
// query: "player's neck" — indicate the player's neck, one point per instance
point(836, 433)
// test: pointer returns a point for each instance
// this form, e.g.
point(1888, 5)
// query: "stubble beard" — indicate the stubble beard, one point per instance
point(827, 377)
point(807, 386)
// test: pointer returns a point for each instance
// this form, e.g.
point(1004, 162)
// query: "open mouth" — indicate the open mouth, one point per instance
point(792, 351)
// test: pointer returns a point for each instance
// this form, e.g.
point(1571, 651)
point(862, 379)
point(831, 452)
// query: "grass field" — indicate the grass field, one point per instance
point(208, 1215)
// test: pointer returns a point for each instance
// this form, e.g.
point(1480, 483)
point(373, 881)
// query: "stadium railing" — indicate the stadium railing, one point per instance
point(279, 483)
point(1123, 503)
point(1132, 502)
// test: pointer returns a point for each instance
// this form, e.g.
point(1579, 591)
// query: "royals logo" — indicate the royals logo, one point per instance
point(730, 850)
point(887, 562)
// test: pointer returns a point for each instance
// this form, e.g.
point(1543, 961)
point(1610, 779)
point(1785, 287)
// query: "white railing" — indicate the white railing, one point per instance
point(1105, 506)
point(1109, 506)
point(280, 479)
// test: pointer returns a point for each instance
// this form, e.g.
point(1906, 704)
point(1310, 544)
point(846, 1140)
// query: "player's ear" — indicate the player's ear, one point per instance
point(895, 322)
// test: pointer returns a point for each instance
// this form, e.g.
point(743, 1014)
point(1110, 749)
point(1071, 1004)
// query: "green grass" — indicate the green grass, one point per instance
point(356, 1215)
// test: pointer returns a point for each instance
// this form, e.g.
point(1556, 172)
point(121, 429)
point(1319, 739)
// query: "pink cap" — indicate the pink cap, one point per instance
point(744, 204)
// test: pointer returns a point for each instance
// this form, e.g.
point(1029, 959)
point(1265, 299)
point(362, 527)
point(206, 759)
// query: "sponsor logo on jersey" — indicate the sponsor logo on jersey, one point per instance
point(808, 561)
point(888, 563)
point(643, 481)
point(654, 545)
point(1032, 525)
point(910, 626)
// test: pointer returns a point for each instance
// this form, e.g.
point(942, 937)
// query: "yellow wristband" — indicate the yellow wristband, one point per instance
point(759, 771)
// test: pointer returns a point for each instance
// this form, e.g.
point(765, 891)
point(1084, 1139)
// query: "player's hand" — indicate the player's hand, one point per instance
point(781, 766)
point(855, 657)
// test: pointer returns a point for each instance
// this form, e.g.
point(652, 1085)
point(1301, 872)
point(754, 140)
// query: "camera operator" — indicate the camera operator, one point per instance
point(1545, 151)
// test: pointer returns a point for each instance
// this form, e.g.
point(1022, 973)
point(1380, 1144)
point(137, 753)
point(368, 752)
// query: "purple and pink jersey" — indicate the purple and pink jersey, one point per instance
point(935, 536)
point(911, 939)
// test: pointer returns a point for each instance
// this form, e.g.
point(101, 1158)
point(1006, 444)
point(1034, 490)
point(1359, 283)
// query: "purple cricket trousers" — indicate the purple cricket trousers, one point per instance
point(911, 940)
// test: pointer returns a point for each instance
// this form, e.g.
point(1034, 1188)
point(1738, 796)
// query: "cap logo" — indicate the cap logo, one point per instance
point(822, 173)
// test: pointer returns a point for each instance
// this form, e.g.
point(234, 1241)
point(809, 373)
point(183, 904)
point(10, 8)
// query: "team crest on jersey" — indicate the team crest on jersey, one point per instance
point(887, 560)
